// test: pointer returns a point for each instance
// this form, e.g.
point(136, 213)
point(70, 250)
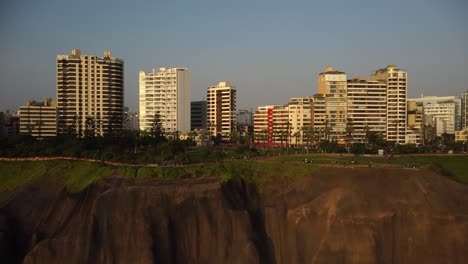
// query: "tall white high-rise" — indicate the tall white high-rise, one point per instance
point(89, 89)
point(165, 91)
point(221, 109)
point(396, 81)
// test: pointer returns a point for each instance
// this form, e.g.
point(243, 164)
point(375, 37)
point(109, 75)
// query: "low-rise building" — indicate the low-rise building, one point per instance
point(461, 135)
point(415, 120)
point(39, 119)
point(446, 111)
point(9, 123)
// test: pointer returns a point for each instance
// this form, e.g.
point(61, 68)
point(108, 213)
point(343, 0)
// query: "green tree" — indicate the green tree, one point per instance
point(90, 127)
point(308, 135)
point(156, 130)
point(115, 125)
point(327, 131)
point(349, 130)
point(234, 137)
point(192, 135)
point(263, 136)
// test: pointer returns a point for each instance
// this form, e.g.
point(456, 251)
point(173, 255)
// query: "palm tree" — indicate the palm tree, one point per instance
point(297, 136)
point(264, 135)
point(327, 131)
point(349, 133)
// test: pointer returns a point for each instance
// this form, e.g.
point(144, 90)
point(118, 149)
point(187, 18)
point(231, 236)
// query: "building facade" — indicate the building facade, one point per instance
point(284, 125)
point(167, 92)
point(300, 118)
point(131, 121)
point(461, 135)
point(221, 110)
point(198, 115)
point(396, 81)
point(416, 124)
point(39, 119)
point(319, 122)
point(90, 89)
point(464, 110)
point(245, 120)
point(271, 125)
point(446, 112)
point(332, 84)
point(9, 123)
point(366, 109)
point(443, 115)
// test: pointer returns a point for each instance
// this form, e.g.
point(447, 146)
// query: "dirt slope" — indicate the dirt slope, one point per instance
point(336, 215)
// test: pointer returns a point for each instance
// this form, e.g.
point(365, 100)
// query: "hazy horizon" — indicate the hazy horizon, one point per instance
point(269, 50)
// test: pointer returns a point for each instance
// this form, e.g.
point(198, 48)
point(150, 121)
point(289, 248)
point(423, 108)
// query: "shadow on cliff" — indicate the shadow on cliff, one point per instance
point(241, 195)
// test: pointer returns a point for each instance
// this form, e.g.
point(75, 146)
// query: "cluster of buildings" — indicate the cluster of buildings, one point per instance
point(347, 110)
point(90, 96)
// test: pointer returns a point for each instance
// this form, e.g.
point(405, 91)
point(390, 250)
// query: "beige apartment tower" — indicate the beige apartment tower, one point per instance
point(221, 110)
point(332, 84)
point(319, 118)
point(165, 91)
point(39, 119)
point(367, 108)
point(300, 117)
point(89, 89)
point(396, 81)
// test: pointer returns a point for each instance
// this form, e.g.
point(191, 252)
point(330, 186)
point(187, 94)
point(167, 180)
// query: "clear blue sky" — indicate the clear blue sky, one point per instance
point(270, 50)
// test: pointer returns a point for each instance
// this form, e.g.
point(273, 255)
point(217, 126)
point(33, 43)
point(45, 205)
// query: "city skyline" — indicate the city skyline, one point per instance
point(271, 52)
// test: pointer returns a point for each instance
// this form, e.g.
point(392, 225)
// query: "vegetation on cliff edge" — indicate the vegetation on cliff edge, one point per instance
point(76, 175)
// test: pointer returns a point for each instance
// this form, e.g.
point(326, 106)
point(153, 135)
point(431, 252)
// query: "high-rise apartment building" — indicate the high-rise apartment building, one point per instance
point(332, 84)
point(271, 125)
point(221, 109)
point(39, 119)
point(89, 89)
point(300, 117)
point(396, 81)
point(198, 115)
point(366, 108)
point(165, 91)
point(319, 118)
point(464, 110)
point(282, 125)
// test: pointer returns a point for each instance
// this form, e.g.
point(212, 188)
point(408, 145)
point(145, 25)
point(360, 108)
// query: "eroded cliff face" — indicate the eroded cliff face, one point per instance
point(336, 215)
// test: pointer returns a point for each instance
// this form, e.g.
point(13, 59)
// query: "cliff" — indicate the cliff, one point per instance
point(335, 215)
